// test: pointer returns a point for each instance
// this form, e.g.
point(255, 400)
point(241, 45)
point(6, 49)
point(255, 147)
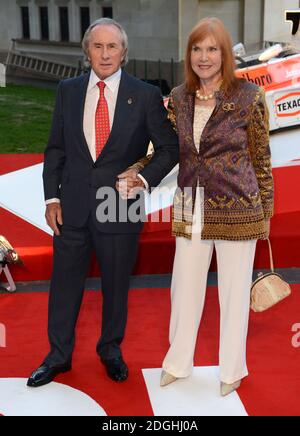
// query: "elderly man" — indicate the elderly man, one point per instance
point(102, 124)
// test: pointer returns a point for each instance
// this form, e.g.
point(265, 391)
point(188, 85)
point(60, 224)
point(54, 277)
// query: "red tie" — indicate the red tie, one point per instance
point(101, 121)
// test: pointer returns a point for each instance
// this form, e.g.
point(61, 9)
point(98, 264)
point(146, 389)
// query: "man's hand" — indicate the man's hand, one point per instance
point(53, 217)
point(129, 183)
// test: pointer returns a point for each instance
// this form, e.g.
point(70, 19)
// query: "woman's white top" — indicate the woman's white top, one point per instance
point(201, 117)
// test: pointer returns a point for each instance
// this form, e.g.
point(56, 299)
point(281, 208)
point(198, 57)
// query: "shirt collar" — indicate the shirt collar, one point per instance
point(111, 82)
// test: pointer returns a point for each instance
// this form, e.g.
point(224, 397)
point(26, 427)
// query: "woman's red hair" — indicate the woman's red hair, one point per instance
point(215, 28)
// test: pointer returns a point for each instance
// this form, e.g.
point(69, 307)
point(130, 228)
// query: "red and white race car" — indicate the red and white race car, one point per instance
point(280, 77)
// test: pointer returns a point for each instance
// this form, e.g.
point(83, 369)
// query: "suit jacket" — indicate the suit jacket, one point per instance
point(70, 173)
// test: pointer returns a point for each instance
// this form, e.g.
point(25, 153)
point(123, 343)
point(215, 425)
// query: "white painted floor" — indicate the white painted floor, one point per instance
point(198, 395)
point(54, 399)
point(21, 192)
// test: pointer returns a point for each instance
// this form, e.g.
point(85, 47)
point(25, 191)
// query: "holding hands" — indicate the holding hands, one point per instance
point(129, 184)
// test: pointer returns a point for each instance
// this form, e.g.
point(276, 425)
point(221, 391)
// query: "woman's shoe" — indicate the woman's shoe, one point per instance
point(166, 378)
point(228, 389)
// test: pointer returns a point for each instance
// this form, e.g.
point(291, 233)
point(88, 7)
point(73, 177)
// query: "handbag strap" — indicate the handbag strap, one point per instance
point(271, 255)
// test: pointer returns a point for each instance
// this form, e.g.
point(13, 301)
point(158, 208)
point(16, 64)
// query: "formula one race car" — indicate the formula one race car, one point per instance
point(277, 70)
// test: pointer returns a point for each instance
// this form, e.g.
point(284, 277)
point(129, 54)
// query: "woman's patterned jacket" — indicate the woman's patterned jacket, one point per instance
point(233, 165)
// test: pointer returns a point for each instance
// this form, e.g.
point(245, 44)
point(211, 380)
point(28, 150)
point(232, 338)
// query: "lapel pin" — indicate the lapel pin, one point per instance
point(130, 101)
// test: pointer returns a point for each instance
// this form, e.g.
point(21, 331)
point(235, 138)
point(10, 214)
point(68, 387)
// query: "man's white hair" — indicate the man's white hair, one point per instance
point(106, 22)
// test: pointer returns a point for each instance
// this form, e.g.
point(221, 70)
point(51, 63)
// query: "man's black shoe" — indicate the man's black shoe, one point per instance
point(44, 375)
point(116, 369)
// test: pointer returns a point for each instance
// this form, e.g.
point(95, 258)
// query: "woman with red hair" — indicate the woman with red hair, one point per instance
point(224, 200)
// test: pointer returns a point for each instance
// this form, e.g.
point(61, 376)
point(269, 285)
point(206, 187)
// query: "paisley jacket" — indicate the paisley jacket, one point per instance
point(233, 165)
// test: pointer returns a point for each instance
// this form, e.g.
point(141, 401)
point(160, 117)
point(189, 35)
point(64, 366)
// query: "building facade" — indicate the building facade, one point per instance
point(157, 29)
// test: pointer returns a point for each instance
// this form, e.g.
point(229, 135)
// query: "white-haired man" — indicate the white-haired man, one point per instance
point(102, 124)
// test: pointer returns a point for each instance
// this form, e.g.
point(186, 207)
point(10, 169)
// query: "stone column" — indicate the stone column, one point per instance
point(54, 25)
point(95, 10)
point(253, 24)
point(188, 16)
point(10, 24)
point(34, 20)
point(74, 21)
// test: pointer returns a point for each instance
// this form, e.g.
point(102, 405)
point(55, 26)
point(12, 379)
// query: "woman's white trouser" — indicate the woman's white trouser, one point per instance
point(235, 266)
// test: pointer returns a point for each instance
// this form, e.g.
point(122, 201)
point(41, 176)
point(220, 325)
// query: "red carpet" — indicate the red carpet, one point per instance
point(15, 162)
point(271, 389)
point(157, 246)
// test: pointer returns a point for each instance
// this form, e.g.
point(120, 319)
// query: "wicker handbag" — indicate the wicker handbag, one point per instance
point(268, 289)
point(7, 253)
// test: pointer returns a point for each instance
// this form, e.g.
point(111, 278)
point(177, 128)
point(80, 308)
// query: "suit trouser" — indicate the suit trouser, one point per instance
point(235, 266)
point(116, 255)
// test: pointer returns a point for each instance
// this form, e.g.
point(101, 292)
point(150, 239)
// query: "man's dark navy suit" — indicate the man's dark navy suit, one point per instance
point(71, 175)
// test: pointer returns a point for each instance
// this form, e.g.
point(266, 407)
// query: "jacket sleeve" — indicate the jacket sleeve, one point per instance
point(259, 144)
point(54, 156)
point(164, 140)
point(144, 161)
point(141, 163)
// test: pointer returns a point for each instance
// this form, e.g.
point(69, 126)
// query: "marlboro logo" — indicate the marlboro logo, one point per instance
point(258, 77)
point(288, 105)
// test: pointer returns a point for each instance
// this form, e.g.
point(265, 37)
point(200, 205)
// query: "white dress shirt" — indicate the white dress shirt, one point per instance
point(92, 97)
point(91, 101)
